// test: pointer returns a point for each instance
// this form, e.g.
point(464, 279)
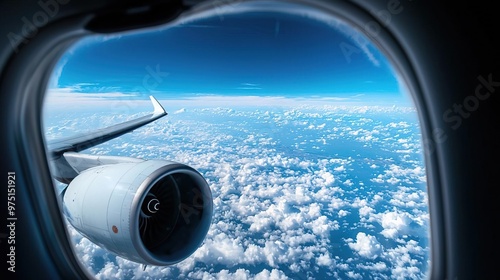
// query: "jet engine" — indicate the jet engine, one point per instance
point(153, 212)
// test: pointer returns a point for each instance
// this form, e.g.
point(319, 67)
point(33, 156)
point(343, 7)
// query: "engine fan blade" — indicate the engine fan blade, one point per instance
point(159, 212)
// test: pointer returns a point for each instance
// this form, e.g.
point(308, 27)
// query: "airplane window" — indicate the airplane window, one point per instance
point(291, 150)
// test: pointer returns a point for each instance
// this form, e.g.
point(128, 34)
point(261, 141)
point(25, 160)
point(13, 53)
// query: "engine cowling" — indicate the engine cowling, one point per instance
point(152, 212)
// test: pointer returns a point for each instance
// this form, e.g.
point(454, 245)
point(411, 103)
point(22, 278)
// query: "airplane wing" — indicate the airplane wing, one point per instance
point(84, 141)
point(63, 153)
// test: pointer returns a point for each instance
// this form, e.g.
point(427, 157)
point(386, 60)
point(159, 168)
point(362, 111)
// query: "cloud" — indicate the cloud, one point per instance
point(379, 266)
point(180, 111)
point(366, 245)
point(403, 265)
point(395, 223)
point(89, 94)
point(325, 260)
point(343, 213)
point(354, 275)
point(249, 86)
point(223, 249)
point(67, 98)
point(396, 174)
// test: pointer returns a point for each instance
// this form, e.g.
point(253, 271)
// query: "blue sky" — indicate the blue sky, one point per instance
point(254, 53)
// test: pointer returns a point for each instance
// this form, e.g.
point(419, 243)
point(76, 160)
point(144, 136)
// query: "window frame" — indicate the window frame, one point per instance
point(28, 73)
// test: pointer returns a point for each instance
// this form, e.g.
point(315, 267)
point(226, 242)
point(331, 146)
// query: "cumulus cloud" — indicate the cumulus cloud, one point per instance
point(180, 111)
point(366, 245)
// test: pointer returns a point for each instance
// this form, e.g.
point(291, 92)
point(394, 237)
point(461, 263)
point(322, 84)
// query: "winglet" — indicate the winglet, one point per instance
point(158, 109)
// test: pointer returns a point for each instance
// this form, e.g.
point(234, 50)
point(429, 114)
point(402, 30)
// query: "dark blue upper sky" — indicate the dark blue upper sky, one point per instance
point(255, 53)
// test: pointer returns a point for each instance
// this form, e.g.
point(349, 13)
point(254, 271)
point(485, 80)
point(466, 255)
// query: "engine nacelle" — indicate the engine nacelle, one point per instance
point(153, 212)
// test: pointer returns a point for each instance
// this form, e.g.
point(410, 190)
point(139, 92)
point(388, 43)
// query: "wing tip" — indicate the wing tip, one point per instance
point(158, 109)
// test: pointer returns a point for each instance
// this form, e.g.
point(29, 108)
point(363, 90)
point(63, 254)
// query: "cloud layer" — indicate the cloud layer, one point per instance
point(303, 192)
